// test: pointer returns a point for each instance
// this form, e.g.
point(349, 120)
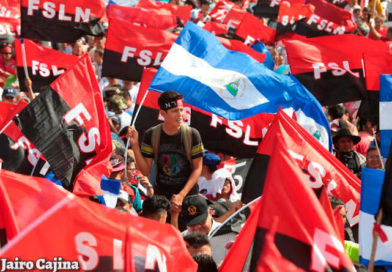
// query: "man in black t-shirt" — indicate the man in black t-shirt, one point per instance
point(178, 154)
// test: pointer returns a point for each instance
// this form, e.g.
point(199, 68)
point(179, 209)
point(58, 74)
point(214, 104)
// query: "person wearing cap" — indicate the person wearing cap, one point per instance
point(117, 105)
point(175, 148)
point(344, 143)
point(197, 216)
point(7, 64)
point(10, 95)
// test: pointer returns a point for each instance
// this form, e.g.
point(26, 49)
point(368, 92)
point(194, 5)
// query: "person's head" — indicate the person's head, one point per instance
point(198, 243)
point(6, 53)
point(205, 7)
point(373, 159)
point(357, 11)
point(344, 141)
point(10, 95)
point(378, 22)
point(335, 112)
point(196, 214)
point(205, 263)
point(211, 162)
point(99, 42)
point(118, 165)
point(98, 56)
point(172, 108)
point(365, 14)
point(117, 104)
point(78, 48)
point(127, 84)
point(156, 208)
point(337, 203)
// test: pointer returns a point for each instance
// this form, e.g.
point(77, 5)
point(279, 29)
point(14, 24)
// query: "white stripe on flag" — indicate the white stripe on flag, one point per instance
point(241, 94)
point(385, 115)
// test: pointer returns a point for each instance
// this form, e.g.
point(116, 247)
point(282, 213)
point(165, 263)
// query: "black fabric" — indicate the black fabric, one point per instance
point(38, 81)
point(331, 90)
point(39, 27)
point(55, 139)
point(174, 168)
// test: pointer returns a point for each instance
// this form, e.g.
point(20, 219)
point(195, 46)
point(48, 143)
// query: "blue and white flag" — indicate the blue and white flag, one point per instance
point(111, 189)
point(385, 113)
point(269, 60)
point(232, 84)
point(371, 187)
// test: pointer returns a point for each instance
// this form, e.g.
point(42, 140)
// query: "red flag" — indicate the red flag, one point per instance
point(306, 237)
point(375, 65)
point(289, 15)
point(129, 49)
point(61, 20)
point(182, 12)
point(270, 8)
point(331, 66)
point(142, 17)
point(44, 64)
point(252, 30)
point(88, 235)
point(78, 125)
point(239, 46)
point(320, 166)
point(9, 28)
point(216, 28)
point(7, 216)
point(9, 110)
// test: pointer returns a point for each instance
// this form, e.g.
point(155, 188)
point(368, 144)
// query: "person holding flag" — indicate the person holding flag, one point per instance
point(176, 149)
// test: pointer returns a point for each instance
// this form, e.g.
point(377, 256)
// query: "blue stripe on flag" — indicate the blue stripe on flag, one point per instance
point(110, 185)
point(385, 113)
point(371, 186)
point(269, 60)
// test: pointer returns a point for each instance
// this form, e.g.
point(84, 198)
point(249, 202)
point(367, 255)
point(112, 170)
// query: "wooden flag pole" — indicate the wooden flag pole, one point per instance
point(374, 245)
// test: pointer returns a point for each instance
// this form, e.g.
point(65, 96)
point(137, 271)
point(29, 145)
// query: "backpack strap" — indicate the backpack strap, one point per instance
point(186, 134)
point(155, 137)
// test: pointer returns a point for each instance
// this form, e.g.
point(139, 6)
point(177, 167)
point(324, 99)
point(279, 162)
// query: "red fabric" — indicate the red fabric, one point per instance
point(44, 55)
point(10, 8)
point(339, 221)
point(303, 54)
point(326, 204)
point(271, 260)
point(77, 229)
point(9, 68)
point(7, 216)
point(9, 26)
point(321, 166)
point(383, 32)
point(253, 27)
point(381, 234)
point(216, 28)
point(376, 63)
point(227, 12)
point(182, 12)
point(142, 17)
point(239, 46)
point(8, 111)
point(301, 209)
point(81, 77)
point(238, 252)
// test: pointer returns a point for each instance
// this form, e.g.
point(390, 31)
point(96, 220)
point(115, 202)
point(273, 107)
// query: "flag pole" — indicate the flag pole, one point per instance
point(138, 110)
point(24, 58)
point(374, 245)
point(378, 149)
point(126, 157)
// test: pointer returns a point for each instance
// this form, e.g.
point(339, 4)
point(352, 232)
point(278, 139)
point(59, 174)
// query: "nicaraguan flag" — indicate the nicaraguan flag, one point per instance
point(111, 189)
point(371, 187)
point(232, 84)
point(385, 113)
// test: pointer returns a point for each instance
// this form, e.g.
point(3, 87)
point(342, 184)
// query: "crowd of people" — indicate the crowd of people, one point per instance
point(166, 174)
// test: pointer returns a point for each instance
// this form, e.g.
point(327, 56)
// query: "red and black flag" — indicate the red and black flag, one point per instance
point(339, 3)
point(9, 29)
point(142, 17)
point(70, 128)
point(270, 8)
point(320, 167)
point(304, 235)
point(253, 30)
point(88, 236)
point(44, 64)
point(129, 49)
point(61, 20)
point(238, 138)
point(289, 15)
point(331, 66)
point(327, 19)
point(375, 65)
point(182, 13)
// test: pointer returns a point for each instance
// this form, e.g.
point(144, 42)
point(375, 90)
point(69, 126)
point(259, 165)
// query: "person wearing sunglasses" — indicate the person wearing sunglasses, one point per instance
point(7, 64)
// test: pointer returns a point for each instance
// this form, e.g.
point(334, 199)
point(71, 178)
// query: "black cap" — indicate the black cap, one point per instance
point(194, 210)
